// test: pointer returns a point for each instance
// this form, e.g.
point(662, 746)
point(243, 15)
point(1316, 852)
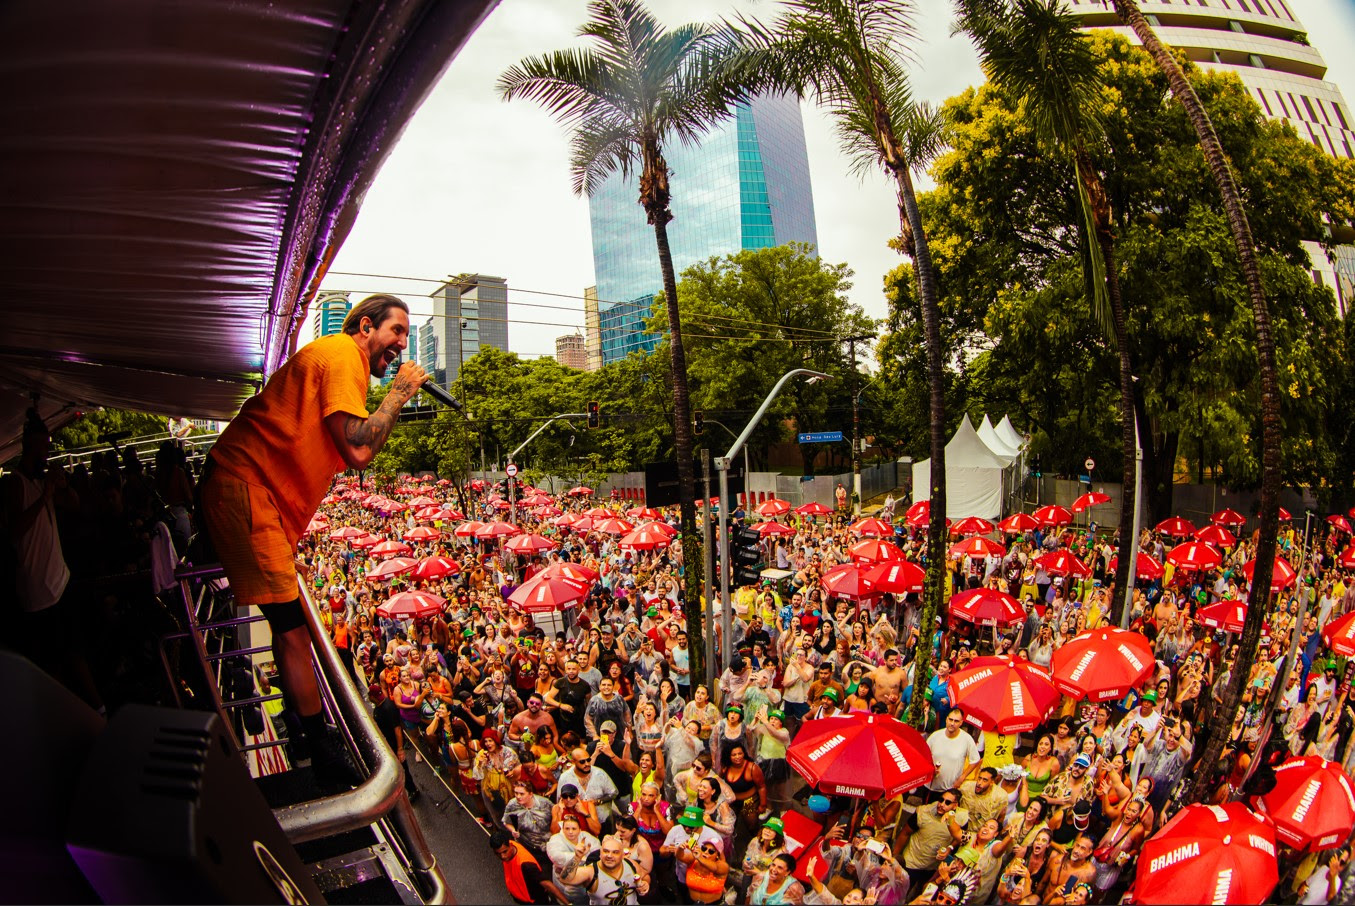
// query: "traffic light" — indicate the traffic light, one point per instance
point(700, 422)
point(745, 555)
point(594, 416)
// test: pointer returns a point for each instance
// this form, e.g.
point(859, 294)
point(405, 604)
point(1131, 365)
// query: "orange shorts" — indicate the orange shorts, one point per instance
point(246, 531)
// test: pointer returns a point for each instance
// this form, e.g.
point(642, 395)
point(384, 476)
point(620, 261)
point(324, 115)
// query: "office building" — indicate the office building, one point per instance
point(469, 311)
point(571, 351)
point(592, 328)
point(330, 310)
point(428, 347)
point(1268, 48)
point(745, 186)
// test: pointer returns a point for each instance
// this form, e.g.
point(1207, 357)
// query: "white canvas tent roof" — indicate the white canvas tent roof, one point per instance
point(973, 475)
point(1010, 434)
point(988, 434)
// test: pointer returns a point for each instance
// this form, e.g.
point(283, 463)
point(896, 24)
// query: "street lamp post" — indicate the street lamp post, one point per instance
point(722, 466)
point(512, 498)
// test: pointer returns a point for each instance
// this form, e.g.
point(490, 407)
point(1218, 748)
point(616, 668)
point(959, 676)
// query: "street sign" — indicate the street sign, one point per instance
point(1090, 463)
point(821, 437)
point(511, 470)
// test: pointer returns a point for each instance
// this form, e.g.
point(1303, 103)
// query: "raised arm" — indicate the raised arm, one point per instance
point(360, 439)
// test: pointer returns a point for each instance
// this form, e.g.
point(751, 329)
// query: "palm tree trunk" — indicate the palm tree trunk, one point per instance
point(934, 590)
point(692, 559)
point(1105, 239)
point(1216, 734)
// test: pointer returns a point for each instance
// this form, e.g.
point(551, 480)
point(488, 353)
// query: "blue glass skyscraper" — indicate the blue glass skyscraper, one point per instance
point(745, 186)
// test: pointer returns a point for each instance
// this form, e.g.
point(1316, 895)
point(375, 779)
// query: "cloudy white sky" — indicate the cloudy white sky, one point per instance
point(480, 185)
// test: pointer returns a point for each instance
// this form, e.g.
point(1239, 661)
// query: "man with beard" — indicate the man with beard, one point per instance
point(531, 721)
point(274, 463)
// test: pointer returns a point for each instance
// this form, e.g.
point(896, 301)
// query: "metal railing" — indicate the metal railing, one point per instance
point(380, 798)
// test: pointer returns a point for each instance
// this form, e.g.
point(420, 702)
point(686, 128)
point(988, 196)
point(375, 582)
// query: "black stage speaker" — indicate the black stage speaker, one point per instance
point(166, 812)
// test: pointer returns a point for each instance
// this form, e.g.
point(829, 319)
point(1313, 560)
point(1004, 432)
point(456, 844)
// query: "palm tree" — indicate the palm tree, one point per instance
point(1035, 50)
point(622, 101)
point(1217, 731)
point(848, 55)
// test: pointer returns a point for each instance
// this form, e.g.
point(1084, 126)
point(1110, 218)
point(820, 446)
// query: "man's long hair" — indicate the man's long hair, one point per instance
point(377, 308)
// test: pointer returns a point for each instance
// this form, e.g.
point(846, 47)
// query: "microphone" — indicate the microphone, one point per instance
point(439, 393)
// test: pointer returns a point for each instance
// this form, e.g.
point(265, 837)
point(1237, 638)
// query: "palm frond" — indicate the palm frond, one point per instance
point(568, 83)
point(598, 150)
point(1095, 271)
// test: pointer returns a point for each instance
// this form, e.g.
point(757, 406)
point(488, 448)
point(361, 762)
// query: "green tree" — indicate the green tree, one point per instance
point(638, 88)
point(1036, 50)
point(86, 430)
point(752, 317)
point(848, 55)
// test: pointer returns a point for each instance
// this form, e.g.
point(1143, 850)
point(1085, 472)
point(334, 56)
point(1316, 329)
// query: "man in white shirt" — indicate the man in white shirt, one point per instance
point(1145, 716)
point(954, 752)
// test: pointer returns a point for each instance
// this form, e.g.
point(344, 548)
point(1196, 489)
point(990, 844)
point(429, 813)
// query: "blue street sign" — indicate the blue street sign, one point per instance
point(821, 437)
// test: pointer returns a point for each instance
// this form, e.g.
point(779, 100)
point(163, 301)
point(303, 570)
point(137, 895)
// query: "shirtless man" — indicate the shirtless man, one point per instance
point(890, 677)
point(1070, 870)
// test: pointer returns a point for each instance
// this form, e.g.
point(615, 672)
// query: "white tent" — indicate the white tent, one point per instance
point(988, 434)
point(1010, 434)
point(973, 476)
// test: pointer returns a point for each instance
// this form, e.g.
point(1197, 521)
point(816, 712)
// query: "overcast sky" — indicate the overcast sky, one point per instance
point(480, 185)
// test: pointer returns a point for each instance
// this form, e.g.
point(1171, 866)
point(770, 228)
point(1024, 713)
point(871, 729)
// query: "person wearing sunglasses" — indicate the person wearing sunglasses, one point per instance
point(930, 830)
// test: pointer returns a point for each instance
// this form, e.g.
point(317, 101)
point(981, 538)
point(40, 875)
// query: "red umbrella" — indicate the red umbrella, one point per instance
point(566, 520)
point(1053, 514)
point(1102, 665)
point(918, 512)
point(644, 538)
point(1090, 499)
point(429, 513)
point(573, 572)
point(1062, 563)
point(894, 576)
point(868, 756)
point(502, 506)
point(971, 525)
point(1226, 615)
point(497, 530)
point(1216, 535)
point(468, 529)
point(660, 527)
point(1019, 522)
point(395, 566)
point(1007, 695)
point(430, 568)
point(1228, 516)
point(422, 533)
point(317, 524)
point(1346, 559)
point(872, 526)
point(1284, 515)
point(986, 607)
point(366, 542)
point(643, 512)
point(1283, 575)
point(1194, 555)
point(813, 508)
point(772, 528)
point(545, 592)
point(424, 500)
point(874, 550)
point(846, 580)
point(1176, 527)
point(529, 544)
point(977, 547)
point(547, 510)
point(411, 604)
point(582, 525)
point(1340, 522)
point(1340, 635)
point(444, 482)
point(1146, 566)
point(613, 526)
point(1312, 804)
point(598, 512)
point(580, 491)
point(347, 533)
point(390, 549)
point(1209, 854)
point(773, 507)
point(537, 500)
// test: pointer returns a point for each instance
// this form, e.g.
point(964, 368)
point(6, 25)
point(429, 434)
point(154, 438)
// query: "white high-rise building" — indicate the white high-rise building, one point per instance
point(1264, 44)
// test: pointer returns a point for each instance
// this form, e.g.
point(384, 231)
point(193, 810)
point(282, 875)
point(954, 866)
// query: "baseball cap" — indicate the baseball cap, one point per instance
point(1082, 761)
point(1150, 696)
point(607, 726)
point(568, 791)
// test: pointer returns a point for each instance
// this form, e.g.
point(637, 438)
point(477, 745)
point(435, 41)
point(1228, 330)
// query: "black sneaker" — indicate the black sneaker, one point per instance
point(333, 767)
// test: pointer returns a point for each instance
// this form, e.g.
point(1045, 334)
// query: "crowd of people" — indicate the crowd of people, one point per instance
point(605, 775)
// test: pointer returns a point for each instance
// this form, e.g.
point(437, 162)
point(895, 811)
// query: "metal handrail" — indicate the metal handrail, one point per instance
point(382, 794)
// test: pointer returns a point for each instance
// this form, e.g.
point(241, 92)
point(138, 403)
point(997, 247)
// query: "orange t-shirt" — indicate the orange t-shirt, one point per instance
point(279, 440)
